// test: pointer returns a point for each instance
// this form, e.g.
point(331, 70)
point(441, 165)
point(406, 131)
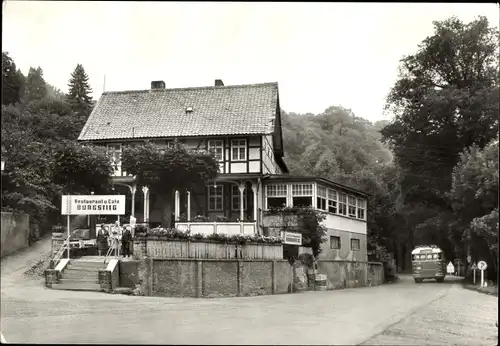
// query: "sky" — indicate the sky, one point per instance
point(321, 54)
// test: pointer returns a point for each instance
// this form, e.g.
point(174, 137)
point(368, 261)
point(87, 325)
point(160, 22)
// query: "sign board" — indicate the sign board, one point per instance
point(474, 266)
point(133, 221)
point(482, 265)
point(3, 165)
point(292, 238)
point(93, 205)
point(450, 268)
point(469, 259)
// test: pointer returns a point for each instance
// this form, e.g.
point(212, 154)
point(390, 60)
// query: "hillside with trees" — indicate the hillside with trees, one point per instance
point(430, 170)
point(40, 126)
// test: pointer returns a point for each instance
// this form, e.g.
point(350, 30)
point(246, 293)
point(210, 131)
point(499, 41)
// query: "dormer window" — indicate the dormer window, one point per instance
point(189, 109)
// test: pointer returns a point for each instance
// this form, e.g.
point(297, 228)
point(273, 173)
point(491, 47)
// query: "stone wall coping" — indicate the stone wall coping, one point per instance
point(112, 264)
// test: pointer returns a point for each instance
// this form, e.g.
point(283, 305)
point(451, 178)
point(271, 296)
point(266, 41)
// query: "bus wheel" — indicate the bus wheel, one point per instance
point(440, 280)
point(418, 280)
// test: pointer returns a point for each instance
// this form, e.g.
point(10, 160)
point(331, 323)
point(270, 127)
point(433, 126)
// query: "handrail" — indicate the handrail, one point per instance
point(114, 246)
point(60, 252)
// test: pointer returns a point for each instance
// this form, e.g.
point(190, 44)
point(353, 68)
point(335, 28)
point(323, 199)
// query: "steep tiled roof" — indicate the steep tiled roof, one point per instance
point(221, 110)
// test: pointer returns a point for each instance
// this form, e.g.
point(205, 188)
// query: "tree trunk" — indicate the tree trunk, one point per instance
point(166, 217)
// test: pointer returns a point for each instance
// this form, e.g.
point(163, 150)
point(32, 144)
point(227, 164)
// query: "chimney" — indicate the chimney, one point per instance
point(218, 82)
point(158, 84)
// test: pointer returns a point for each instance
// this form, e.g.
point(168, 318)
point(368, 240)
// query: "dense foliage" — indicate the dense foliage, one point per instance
point(42, 158)
point(307, 221)
point(175, 234)
point(166, 169)
point(445, 101)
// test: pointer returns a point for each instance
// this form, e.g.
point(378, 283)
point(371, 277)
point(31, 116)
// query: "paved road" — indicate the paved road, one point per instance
point(395, 314)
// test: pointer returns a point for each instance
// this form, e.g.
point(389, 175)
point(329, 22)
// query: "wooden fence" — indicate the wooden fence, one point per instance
point(162, 248)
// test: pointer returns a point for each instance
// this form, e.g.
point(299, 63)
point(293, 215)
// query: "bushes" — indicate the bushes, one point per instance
point(175, 234)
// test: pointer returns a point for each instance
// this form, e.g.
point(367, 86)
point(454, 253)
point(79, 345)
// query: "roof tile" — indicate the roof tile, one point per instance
point(224, 110)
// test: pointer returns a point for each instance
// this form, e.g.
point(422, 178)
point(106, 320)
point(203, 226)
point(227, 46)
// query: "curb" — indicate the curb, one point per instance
point(477, 289)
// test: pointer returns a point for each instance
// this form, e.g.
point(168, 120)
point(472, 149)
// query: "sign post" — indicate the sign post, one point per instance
point(482, 267)
point(68, 210)
point(474, 268)
point(91, 205)
point(450, 268)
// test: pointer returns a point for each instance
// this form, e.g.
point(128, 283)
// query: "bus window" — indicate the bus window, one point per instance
point(435, 256)
point(429, 256)
point(422, 257)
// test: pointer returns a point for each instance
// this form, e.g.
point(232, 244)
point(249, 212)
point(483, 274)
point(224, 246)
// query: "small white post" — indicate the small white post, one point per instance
point(474, 276)
point(242, 200)
point(189, 206)
point(177, 205)
point(482, 278)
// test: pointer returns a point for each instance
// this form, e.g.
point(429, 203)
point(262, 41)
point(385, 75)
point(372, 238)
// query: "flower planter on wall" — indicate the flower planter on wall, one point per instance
point(158, 247)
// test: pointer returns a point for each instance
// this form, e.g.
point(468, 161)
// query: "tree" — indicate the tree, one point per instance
point(71, 169)
point(165, 170)
point(79, 92)
point(446, 99)
point(35, 87)
point(12, 81)
point(474, 197)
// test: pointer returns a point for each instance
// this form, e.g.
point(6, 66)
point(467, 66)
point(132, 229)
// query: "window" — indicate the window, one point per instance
point(332, 201)
point(216, 147)
point(355, 244)
point(276, 196)
point(239, 149)
point(236, 198)
point(342, 204)
point(361, 208)
point(114, 152)
point(334, 242)
point(215, 197)
point(302, 195)
point(322, 198)
point(352, 206)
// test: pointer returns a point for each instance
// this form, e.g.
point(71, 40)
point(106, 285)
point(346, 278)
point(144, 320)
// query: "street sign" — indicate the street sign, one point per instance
point(292, 238)
point(469, 259)
point(93, 205)
point(133, 221)
point(474, 266)
point(450, 268)
point(482, 265)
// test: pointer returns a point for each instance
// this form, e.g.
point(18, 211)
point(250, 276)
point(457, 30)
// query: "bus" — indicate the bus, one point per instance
point(428, 262)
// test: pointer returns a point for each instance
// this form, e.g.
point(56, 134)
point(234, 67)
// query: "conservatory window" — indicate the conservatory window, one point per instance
point(332, 201)
point(276, 196)
point(302, 195)
point(322, 198)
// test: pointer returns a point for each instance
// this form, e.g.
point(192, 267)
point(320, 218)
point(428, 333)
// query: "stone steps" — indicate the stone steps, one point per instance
point(81, 275)
point(66, 284)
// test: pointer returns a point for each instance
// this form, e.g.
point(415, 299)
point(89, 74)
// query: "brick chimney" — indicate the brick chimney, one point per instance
point(158, 84)
point(218, 82)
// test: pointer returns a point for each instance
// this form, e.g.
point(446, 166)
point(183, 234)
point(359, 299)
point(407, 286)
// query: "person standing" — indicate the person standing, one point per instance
point(126, 239)
point(102, 241)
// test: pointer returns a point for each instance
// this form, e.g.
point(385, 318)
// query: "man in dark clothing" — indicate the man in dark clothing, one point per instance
point(126, 239)
point(102, 240)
